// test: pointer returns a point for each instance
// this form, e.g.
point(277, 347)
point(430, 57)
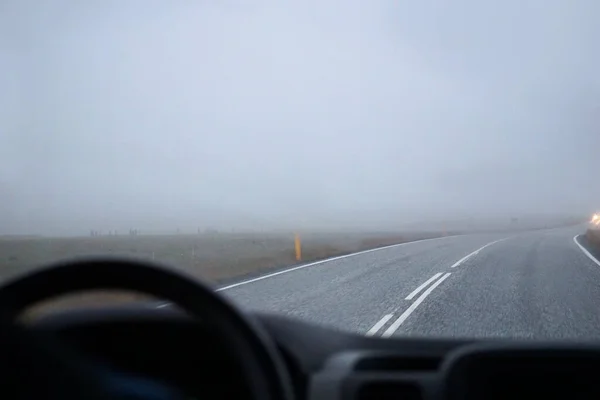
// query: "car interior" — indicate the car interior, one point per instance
point(203, 347)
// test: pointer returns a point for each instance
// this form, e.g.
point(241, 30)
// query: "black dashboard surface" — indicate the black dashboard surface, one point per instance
point(166, 345)
point(175, 351)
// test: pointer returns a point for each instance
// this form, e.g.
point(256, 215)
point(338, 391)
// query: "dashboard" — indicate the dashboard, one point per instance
point(168, 346)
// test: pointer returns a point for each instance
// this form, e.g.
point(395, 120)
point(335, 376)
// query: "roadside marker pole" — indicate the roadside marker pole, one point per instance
point(298, 248)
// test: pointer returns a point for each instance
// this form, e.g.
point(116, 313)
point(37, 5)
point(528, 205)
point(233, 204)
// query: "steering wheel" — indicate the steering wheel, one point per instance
point(34, 366)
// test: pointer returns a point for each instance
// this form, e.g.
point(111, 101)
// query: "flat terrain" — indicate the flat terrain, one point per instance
point(213, 257)
point(217, 258)
point(527, 284)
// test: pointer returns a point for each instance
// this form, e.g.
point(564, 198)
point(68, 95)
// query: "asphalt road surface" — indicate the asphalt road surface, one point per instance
point(538, 284)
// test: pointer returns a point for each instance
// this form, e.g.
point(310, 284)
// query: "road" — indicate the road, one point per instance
point(536, 284)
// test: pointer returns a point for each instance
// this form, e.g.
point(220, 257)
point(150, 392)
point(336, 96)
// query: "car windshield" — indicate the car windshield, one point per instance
point(387, 168)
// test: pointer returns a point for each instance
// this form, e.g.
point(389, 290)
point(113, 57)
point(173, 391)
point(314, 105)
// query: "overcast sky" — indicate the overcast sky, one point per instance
point(158, 114)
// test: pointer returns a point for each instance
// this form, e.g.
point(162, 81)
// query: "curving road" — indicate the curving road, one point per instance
point(537, 284)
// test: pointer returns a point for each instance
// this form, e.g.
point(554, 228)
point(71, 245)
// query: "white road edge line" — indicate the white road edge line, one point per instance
point(260, 278)
point(465, 258)
point(427, 282)
point(379, 324)
point(394, 327)
point(587, 253)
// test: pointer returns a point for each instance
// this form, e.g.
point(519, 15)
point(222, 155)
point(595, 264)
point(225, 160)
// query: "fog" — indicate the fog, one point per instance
point(261, 114)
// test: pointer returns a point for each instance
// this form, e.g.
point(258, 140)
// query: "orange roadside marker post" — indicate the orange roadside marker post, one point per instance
point(298, 247)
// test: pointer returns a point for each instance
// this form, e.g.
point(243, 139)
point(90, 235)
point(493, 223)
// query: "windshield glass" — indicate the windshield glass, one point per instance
point(421, 168)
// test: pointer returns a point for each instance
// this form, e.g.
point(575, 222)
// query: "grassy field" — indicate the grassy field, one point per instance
point(593, 236)
point(215, 258)
point(212, 257)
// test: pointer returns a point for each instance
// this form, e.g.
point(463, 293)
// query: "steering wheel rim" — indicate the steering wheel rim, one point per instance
point(261, 364)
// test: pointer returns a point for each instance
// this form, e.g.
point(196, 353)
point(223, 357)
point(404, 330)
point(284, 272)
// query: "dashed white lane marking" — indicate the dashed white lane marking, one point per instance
point(427, 282)
point(390, 331)
point(379, 324)
point(465, 258)
point(587, 253)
